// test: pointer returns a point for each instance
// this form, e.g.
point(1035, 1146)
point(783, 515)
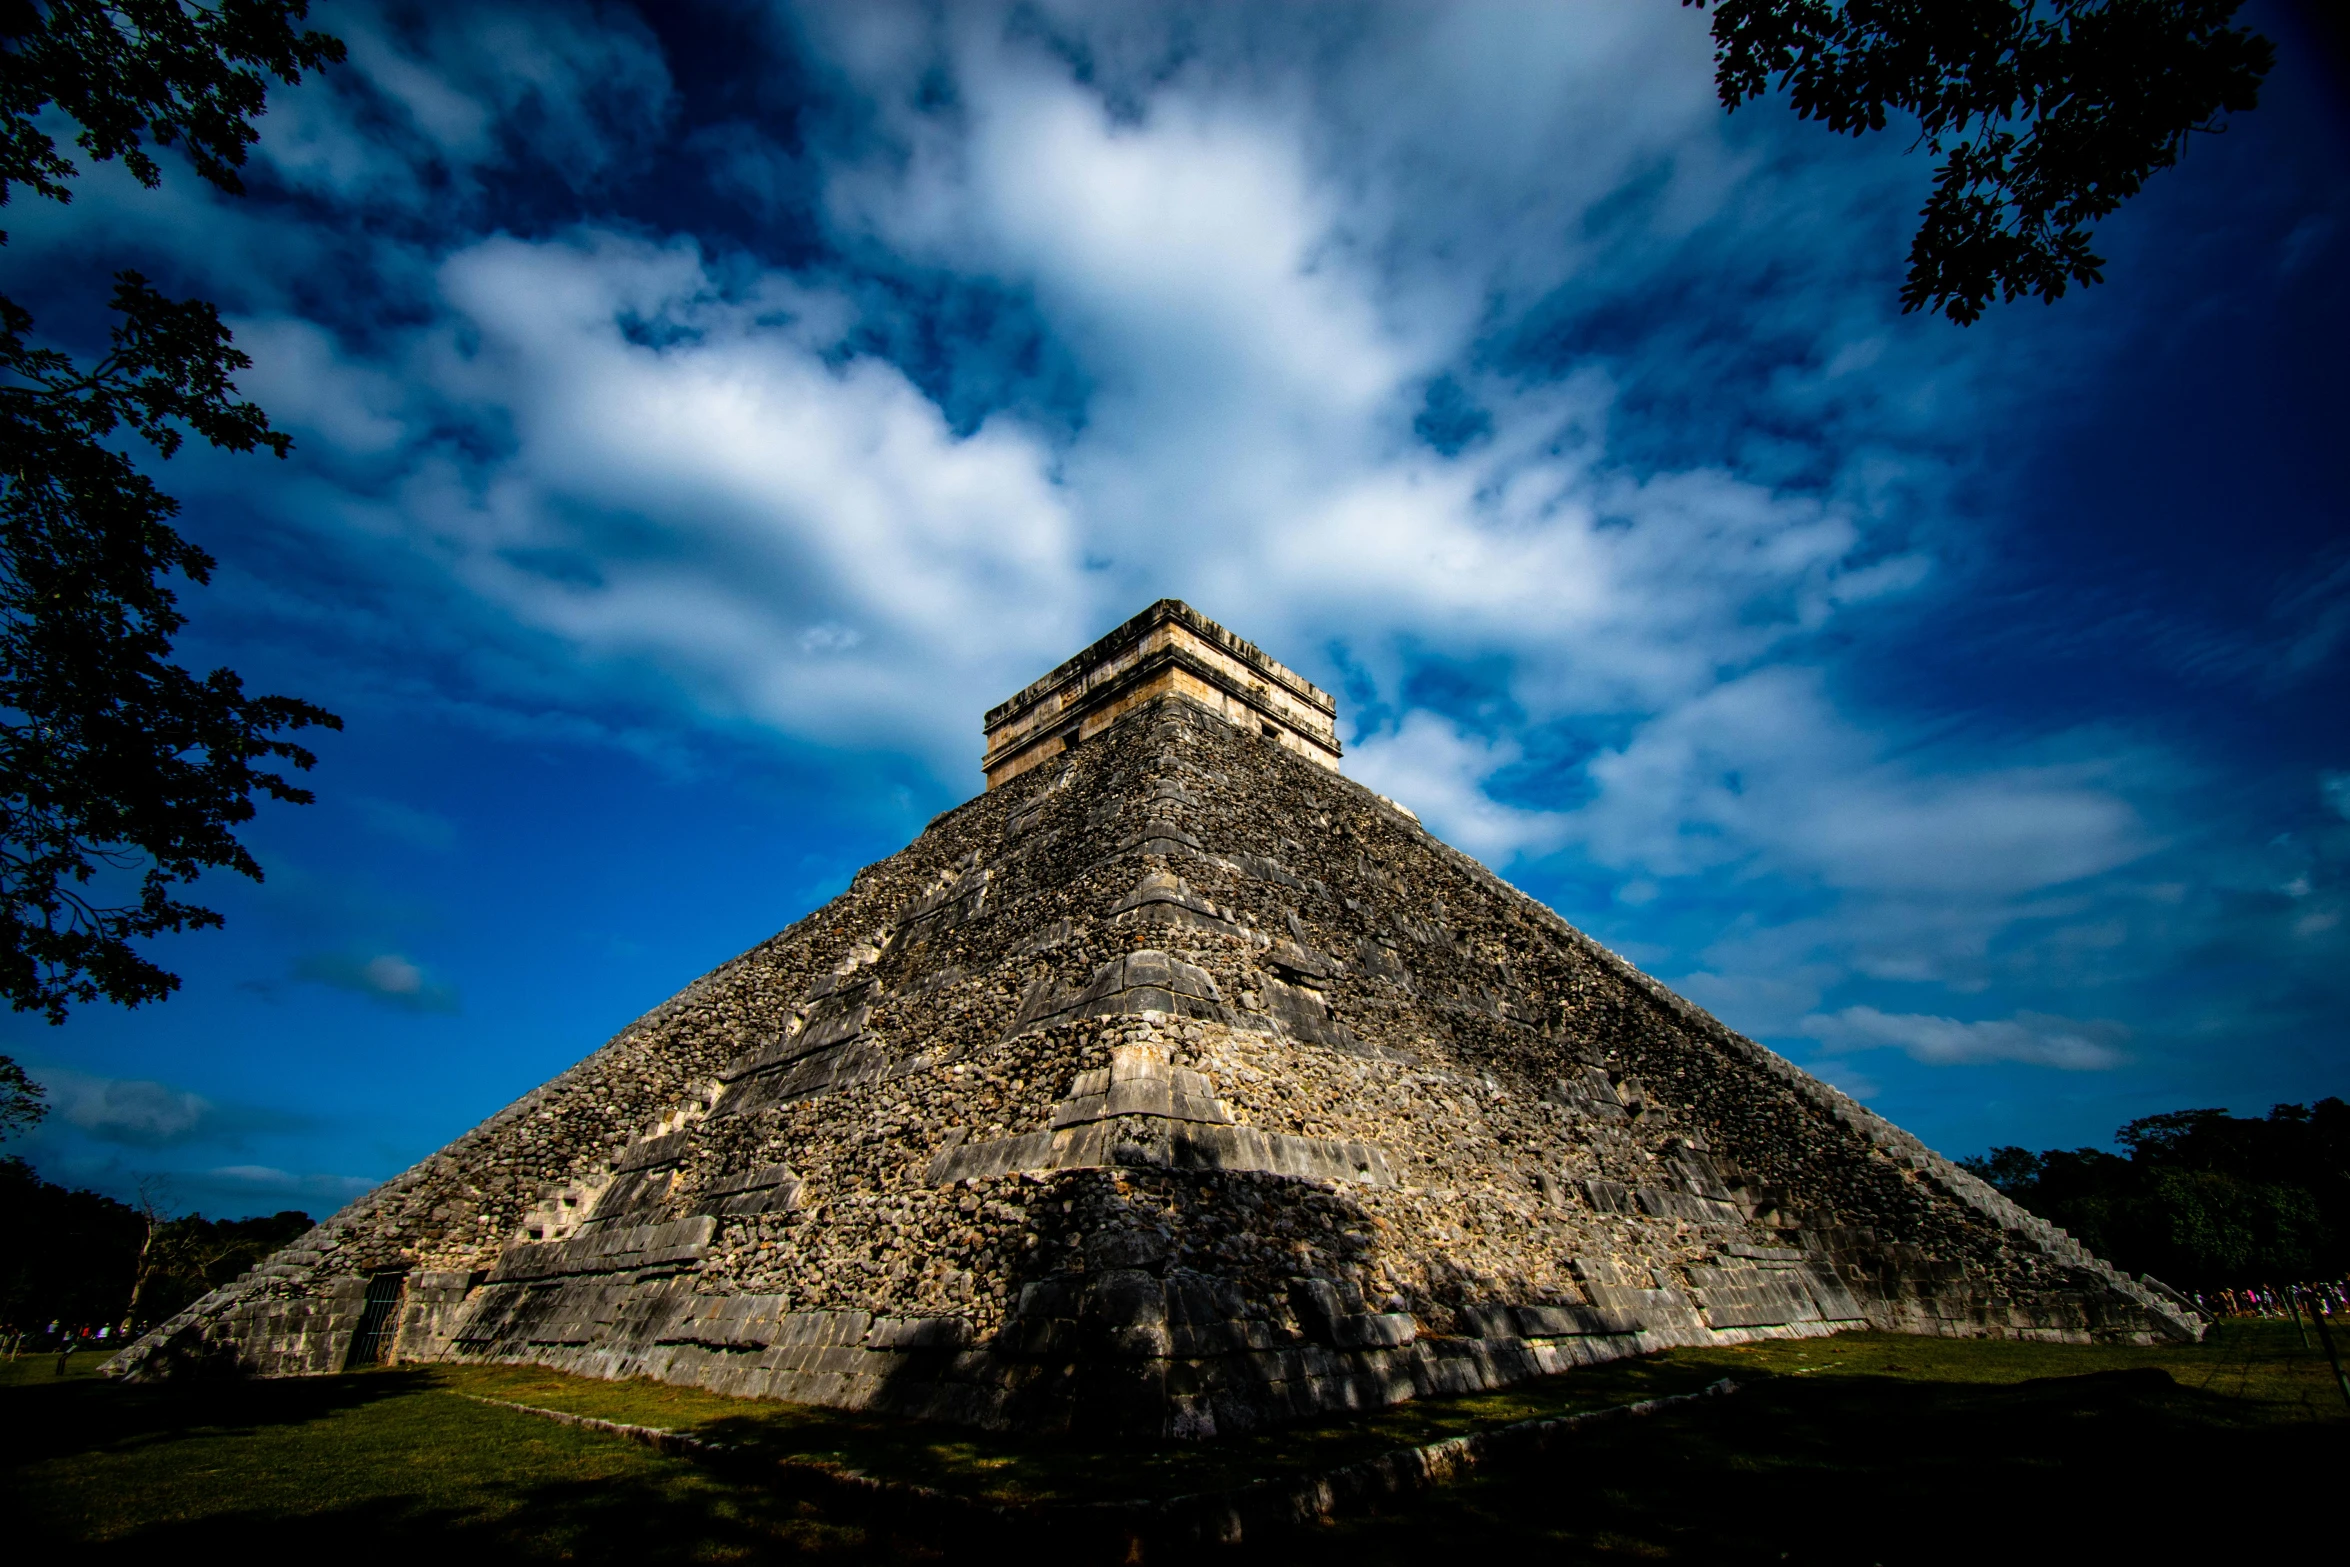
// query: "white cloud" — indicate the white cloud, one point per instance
point(827, 639)
point(392, 976)
point(126, 1110)
point(385, 977)
point(423, 105)
point(269, 1178)
point(2029, 1037)
point(315, 391)
point(143, 1113)
point(1437, 770)
point(1765, 769)
point(679, 461)
point(697, 480)
point(668, 457)
point(253, 1174)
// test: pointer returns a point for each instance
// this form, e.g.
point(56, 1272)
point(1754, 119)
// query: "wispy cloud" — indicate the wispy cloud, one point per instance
point(142, 1113)
point(1467, 357)
point(804, 502)
point(386, 978)
point(429, 102)
point(330, 1191)
point(2028, 1037)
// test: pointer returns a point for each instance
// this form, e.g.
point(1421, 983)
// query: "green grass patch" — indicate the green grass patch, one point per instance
point(2257, 1372)
point(371, 1467)
point(1873, 1448)
point(1859, 1448)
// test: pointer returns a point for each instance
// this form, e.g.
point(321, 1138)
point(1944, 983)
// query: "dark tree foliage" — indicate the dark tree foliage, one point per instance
point(21, 1100)
point(2203, 1199)
point(130, 72)
point(75, 1257)
point(123, 775)
point(71, 1257)
point(2046, 114)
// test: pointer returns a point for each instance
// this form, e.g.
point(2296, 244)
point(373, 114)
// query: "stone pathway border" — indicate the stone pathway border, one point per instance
point(1207, 1517)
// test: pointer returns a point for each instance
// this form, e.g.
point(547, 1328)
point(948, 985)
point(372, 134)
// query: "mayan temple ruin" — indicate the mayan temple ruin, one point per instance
point(1174, 1085)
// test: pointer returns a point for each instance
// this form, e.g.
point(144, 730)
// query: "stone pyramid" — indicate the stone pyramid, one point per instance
point(1174, 1085)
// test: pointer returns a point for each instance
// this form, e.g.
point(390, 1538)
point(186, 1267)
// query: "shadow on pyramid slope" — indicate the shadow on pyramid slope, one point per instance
point(1175, 1085)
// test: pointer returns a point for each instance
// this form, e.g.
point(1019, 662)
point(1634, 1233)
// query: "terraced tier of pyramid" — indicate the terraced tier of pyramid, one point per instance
point(1174, 1085)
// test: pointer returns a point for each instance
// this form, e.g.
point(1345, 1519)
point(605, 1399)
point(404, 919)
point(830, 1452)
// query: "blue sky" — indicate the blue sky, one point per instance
point(704, 412)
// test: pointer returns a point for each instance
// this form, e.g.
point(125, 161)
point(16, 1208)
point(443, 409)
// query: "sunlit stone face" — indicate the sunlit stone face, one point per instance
point(1168, 650)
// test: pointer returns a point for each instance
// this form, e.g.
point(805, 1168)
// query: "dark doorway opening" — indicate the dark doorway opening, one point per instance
point(379, 1321)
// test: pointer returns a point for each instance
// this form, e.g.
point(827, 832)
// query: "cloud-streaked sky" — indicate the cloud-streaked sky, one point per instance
point(703, 412)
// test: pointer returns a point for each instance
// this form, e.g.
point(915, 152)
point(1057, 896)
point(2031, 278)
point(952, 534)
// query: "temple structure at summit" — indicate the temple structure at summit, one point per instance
point(1170, 650)
point(1173, 1085)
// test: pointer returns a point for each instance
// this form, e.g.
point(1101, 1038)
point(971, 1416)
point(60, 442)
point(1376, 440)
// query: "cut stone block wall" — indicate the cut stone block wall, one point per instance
point(1170, 650)
point(1179, 1086)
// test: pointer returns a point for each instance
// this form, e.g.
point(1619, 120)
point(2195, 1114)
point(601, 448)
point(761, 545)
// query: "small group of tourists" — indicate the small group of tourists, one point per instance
point(2330, 1296)
point(62, 1339)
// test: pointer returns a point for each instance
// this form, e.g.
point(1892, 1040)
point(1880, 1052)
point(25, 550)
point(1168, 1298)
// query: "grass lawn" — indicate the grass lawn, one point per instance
point(371, 1467)
point(1860, 1448)
point(1875, 1448)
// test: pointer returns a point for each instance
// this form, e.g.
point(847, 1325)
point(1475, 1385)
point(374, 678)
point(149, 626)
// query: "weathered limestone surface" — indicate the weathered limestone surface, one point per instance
point(1169, 650)
point(1178, 1085)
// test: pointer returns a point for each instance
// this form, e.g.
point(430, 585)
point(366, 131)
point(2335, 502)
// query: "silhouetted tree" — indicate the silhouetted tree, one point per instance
point(2046, 114)
point(123, 775)
point(21, 1100)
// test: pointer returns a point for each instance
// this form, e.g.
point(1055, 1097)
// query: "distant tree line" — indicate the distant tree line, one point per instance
point(2201, 1199)
point(84, 1260)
